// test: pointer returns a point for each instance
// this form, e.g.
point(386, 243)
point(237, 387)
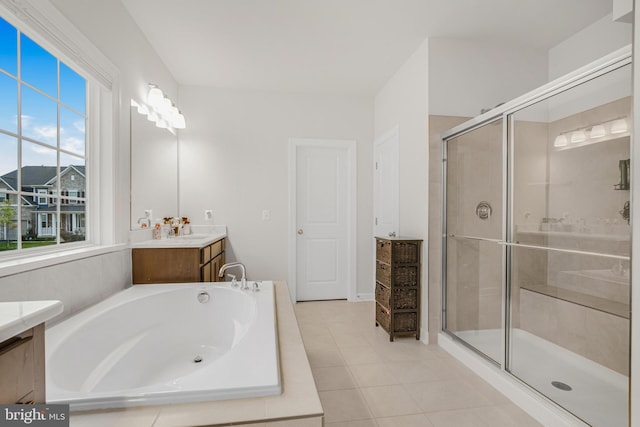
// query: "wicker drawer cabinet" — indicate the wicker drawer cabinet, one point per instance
point(398, 286)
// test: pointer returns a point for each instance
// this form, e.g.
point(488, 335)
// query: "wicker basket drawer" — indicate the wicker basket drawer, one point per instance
point(406, 252)
point(383, 317)
point(405, 275)
point(404, 299)
point(402, 322)
point(383, 251)
point(383, 273)
point(405, 322)
point(383, 295)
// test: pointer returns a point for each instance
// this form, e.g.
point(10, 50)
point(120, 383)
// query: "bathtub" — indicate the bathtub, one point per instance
point(160, 344)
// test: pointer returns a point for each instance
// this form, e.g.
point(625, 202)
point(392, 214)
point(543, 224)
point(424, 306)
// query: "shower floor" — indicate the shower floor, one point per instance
point(598, 395)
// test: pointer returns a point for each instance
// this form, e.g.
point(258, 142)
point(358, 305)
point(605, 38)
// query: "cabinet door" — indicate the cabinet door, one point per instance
point(16, 370)
point(216, 263)
point(206, 272)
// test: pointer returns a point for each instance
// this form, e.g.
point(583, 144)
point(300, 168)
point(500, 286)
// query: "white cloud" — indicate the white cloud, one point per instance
point(26, 120)
point(39, 149)
point(79, 125)
point(73, 144)
point(47, 132)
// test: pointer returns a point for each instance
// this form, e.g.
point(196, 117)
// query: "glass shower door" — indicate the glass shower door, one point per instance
point(570, 251)
point(474, 227)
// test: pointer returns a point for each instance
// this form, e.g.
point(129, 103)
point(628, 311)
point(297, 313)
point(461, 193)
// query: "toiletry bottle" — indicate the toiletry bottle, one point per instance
point(157, 230)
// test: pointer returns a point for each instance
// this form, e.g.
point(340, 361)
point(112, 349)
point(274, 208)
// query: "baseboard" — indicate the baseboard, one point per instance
point(365, 296)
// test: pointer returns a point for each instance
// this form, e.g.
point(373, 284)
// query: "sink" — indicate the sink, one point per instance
point(193, 237)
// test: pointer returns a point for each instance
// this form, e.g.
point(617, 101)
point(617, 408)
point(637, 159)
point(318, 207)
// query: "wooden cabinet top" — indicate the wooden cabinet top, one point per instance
point(399, 239)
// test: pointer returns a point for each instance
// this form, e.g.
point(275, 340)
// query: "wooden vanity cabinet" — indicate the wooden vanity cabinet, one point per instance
point(22, 371)
point(178, 265)
point(398, 271)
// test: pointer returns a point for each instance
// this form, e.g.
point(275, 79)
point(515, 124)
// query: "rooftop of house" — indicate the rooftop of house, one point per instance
point(37, 176)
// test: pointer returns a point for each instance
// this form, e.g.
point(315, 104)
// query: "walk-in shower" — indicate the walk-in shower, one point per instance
point(536, 239)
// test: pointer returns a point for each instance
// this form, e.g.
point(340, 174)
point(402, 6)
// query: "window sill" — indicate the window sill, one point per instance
point(25, 262)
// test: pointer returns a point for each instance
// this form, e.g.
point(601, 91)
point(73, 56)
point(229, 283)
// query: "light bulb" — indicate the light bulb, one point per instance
point(597, 132)
point(561, 141)
point(152, 116)
point(155, 97)
point(578, 136)
point(619, 126)
point(142, 109)
point(164, 107)
point(178, 122)
point(162, 123)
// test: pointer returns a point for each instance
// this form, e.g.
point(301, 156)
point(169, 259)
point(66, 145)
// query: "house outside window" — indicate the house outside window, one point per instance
point(43, 155)
point(42, 200)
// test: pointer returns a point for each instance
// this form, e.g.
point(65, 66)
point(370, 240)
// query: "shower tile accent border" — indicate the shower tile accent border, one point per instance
point(298, 405)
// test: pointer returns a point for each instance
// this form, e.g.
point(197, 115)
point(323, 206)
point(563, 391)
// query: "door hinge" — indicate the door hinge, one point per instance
point(376, 165)
point(376, 220)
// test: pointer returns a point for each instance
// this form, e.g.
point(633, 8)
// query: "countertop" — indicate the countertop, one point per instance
point(17, 317)
point(196, 240)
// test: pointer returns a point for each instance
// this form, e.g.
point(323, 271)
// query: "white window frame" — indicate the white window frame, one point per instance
point(43, 200)
point(45, 25)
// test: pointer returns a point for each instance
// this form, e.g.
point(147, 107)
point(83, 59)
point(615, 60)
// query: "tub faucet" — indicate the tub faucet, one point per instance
point(243, 279)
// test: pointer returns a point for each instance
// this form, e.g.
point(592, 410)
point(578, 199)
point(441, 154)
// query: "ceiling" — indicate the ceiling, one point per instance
point(336, 46)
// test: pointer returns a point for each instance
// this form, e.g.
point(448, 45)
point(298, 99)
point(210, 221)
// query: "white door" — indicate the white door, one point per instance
point(386, 184)
point(323, 191)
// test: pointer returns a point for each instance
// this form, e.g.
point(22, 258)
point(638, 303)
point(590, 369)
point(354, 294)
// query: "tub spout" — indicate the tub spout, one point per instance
point(243, 279)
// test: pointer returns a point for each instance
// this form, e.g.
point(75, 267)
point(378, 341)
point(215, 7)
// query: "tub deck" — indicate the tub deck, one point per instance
point(298, 405)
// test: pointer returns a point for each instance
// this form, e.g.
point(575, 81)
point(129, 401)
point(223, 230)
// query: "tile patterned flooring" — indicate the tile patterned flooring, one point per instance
point(366, 381)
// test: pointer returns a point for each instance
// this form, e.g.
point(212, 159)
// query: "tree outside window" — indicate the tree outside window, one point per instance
point(7, 220)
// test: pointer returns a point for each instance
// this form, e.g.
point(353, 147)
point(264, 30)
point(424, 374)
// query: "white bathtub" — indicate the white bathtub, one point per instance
point(142, 346)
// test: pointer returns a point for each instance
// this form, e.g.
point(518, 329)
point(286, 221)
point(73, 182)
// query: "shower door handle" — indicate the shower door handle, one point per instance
point(566, 251)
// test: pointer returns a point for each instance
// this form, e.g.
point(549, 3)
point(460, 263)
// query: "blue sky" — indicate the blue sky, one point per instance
point(39, 112)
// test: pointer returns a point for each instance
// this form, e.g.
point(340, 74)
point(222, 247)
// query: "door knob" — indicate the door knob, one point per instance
point(300, 231)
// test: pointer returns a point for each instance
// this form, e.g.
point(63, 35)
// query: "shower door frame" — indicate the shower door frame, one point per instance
point(611, 62)
point(487, 119)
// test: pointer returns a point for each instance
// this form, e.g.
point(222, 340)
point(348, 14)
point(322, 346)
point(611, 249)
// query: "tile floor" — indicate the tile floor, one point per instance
point(366, 381)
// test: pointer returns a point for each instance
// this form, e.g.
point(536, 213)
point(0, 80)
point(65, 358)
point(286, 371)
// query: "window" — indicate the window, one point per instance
point(42, 200)
point(43, 145)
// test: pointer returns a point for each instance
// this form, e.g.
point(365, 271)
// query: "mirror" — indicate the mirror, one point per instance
point(154, 170)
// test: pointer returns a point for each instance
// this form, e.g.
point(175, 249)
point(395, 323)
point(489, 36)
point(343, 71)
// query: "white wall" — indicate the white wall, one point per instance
point(81, 283)
point(595, 41)
point(233, 160)
point(403, 102)
point(466, 76)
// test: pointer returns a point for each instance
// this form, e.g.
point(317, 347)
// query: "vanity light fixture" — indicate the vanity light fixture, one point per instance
point(160, 110)
point(605, 131)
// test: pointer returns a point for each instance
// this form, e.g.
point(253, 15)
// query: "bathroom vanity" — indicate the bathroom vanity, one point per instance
point(22, 368)
point(192, 258)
